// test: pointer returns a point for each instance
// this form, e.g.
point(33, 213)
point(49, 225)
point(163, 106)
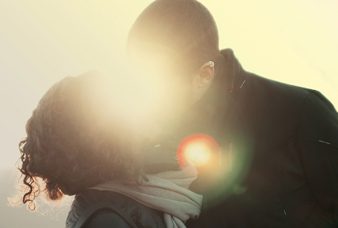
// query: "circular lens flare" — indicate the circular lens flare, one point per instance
point(197, 154)
point(198, 150)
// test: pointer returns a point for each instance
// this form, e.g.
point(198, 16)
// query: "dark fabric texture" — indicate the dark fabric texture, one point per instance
point(287, 138)
point(284, 143)
point(106, 218)
point(103, 209)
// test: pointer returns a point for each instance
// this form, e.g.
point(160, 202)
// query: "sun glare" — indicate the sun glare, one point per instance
point(197, 154)
point(198, 150)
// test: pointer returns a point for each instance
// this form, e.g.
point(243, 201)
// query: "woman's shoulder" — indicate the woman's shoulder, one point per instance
point(93, 206)
point(106, 218)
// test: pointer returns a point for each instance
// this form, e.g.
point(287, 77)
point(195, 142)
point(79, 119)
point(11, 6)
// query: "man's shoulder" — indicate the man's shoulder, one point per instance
point(273, 104)
point(278, 88)
point(288, 93)
point(276, 93)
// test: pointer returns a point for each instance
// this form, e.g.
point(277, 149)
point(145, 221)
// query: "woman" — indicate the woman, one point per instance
point(79, 145)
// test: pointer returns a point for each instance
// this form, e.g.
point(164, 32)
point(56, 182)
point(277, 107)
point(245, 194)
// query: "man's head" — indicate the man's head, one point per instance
point(178, 39)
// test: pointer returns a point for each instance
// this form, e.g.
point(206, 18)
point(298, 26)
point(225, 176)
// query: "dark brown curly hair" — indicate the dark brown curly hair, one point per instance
point(72, 145)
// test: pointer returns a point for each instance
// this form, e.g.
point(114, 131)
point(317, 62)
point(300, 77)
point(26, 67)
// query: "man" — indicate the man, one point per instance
point(282, 140)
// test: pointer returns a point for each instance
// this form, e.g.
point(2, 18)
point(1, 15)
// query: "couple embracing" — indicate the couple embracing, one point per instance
point(221, 147)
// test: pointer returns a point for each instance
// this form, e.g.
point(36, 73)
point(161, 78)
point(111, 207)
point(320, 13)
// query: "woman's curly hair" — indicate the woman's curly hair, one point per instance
point(74, 142)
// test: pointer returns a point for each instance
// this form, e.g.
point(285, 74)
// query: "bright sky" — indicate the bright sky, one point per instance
point(294, 41)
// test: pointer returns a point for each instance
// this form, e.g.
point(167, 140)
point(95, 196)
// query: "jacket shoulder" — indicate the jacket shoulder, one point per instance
point(282, 105)
point(280, 89)
point(283, 97)
point(290, 93)
point(106, 218)
point(110, 207)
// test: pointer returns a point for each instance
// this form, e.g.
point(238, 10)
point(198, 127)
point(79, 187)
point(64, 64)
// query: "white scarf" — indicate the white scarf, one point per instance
point(167, 192)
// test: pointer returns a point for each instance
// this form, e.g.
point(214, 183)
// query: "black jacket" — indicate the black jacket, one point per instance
point(103, 209)
point(284, 142)
point(283, 147)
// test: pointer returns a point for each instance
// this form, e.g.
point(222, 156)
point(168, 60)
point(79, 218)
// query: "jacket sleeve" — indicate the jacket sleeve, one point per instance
point(318, 148)
point(105, 219)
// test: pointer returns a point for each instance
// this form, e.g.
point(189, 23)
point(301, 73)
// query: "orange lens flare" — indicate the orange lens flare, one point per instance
point(198, 150)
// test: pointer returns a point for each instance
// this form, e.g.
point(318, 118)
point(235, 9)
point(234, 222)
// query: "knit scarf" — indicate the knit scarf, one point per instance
point(167, 192)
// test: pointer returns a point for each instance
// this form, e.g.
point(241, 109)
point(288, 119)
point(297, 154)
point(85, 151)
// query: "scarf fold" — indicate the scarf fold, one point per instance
point(167, 192)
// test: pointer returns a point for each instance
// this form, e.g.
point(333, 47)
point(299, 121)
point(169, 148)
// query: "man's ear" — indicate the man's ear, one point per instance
point(206, 74)
point(203, 80)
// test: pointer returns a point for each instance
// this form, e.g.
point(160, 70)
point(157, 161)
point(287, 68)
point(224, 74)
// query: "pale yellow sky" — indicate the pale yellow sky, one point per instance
point(293, 41)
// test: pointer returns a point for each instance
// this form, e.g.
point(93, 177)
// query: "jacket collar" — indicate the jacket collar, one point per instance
point(229, 80)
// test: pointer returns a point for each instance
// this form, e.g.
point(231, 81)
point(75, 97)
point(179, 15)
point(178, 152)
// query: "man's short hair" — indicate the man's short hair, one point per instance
point(182, 29)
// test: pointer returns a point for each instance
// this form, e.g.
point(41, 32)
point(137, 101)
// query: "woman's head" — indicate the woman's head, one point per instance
point(74, 141)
